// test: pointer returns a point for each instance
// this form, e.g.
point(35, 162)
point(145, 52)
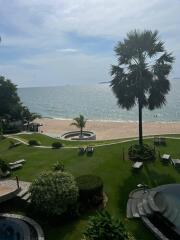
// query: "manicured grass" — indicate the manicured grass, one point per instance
point(106, 162)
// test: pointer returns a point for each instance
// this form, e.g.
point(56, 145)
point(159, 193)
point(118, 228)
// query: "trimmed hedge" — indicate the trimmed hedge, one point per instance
point(141, 153)
point(3, 166)
point(57, 145)
point(90, 188)
point(33, 142)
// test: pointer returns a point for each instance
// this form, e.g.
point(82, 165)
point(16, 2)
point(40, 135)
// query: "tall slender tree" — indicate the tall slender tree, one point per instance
point(141, 75)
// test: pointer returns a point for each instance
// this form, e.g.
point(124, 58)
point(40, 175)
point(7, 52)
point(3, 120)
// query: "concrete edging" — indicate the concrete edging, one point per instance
point(28, 220)
point(159, 235)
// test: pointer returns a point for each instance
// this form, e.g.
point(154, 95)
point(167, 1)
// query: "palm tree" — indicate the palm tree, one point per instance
point(141, 75)
point(80, 122)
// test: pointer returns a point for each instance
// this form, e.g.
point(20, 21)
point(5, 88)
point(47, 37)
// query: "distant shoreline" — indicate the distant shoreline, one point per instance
point(109, 120)
point(109, 129)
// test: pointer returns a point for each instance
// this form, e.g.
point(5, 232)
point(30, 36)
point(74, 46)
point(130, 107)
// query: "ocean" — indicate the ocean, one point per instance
point(95, 102)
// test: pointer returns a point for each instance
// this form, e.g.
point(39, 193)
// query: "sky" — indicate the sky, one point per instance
point(69, 42)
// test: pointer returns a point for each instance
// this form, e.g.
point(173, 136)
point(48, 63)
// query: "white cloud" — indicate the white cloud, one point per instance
point(58, 69)
point(68, 50)
point(43, 25)
point(91, 17)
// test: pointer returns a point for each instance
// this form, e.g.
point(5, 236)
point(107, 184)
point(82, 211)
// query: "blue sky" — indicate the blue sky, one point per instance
point(59, 42)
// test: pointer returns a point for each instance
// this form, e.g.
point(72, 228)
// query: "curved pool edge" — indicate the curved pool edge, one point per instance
point(30, 221)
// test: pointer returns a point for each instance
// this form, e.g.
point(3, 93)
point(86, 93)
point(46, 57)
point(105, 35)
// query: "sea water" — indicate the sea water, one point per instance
point(95, 102)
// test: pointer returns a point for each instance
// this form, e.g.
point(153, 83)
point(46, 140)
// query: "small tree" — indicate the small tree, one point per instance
point(80, 123)
point(58, 166)
point(54, 193)
point(104, 227)
point(11, 107)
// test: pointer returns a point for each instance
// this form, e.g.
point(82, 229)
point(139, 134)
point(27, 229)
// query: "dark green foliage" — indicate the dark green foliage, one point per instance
point(54, 193)
point(2, 137)
point(104, 227)
point(33, 142)
point(57, 145)
point(11, 108)
point(90, 188)
point(141, 153)
point(28, 116)
point(58, 166)
point(3, 166)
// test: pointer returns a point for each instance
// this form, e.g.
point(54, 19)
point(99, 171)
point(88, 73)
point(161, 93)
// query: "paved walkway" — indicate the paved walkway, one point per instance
point(98, 145)
point(9, 189)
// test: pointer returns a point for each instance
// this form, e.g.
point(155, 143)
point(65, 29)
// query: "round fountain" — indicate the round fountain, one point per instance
point(76, 135)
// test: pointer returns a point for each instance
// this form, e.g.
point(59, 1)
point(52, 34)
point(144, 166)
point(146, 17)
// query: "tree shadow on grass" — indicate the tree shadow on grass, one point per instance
point(155, 178)
point(127, 186)
point(148, 177)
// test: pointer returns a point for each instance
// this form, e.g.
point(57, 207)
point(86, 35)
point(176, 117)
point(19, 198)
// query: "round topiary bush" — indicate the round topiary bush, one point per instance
point(54, 193)
point(33, 142)
point(57, 145)
point(90, 188)
point(141, 153)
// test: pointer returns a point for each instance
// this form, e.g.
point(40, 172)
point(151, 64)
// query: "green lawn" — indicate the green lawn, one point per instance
point(106, 162)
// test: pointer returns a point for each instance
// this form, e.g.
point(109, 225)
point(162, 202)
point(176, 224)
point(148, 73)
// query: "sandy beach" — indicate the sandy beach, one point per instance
point(110, 130)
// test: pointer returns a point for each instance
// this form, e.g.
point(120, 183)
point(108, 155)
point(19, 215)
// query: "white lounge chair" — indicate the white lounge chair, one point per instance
point(137, 165)
point(89, 149)
point(166, 158)
point(15, 166)
point(176, 162)
point(21, 161)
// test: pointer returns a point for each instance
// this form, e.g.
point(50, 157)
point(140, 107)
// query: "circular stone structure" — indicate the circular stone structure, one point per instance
point(159, 209)
point(76, 135)
point(17, 227)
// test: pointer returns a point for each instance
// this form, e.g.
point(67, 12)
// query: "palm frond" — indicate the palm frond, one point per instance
point(136, 76)
point(79, 122)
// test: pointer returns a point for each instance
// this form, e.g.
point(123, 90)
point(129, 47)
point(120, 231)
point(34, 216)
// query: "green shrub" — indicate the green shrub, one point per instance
point(2, 137)
point(54, 193)
point(33, 142)
point(90, 188)
point(57, 145)
point(3, 166)
point(103, 226)
point(58, 166)
point(141, 153)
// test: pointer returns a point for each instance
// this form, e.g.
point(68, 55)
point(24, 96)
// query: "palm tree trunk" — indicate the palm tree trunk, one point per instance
point(81, 131)
point(140, 124)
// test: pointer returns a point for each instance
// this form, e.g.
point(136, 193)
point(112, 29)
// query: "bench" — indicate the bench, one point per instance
point(166, 158)
point(15, 166)
point(21, 161)
point(176, 162)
